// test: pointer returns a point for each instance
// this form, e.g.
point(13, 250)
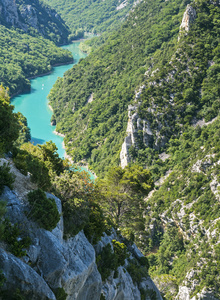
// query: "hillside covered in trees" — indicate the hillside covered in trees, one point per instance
point(34, 17)
point(95, 131)
point(146, 98)
point(28, 31)
point(161, 67)
point(92, 16)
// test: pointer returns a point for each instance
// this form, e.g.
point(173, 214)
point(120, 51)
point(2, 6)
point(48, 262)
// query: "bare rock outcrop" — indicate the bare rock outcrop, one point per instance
point(52, 262)
point(188, 18)
point(21, 276)
point(33, 14)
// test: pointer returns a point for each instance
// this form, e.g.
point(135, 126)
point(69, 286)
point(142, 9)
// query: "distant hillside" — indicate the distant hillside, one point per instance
point(90, 103)
point(25, 51)
point(24, 56)
point(34, 16)
point(92, 16)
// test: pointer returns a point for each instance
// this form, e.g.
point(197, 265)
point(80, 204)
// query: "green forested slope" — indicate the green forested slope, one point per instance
point(111, 74)
point(181, 77)
point(25, 47)
point(91, 16)
point(186, 207)
point(24, 56)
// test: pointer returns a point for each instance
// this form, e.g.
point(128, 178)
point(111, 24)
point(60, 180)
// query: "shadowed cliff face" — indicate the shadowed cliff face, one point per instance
point(52, 262)
point(26, 15)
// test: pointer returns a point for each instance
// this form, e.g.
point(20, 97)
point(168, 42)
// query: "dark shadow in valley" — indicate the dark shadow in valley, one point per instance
point(36, 141)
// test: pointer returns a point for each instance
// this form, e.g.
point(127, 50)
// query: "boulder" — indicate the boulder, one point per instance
point(19, 275)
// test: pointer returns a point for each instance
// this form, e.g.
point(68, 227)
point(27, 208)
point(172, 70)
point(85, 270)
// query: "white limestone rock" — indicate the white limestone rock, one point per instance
point(134, 127)
point(82, 269)
point(69, 264)
point(29, 14)
point(184, 294)
point(21, 276)
point(121, 288)
point(188, 18)
point(122, 5)
point(52, 262)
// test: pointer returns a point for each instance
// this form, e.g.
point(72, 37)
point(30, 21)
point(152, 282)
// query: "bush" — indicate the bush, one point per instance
point(144, 262)
point(12, 236)
point(43, 209)
point(106, 262)
point(6, 178)
point(12, 295)
point(96, 224)
point(76, 215)
point(27, 162)
point(109, 260)
point(120, 250)
point(60, 294)
point(137, 271)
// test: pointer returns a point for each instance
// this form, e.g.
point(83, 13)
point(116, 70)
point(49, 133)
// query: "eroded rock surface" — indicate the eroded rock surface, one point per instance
point(188, 18)
point(52, 262)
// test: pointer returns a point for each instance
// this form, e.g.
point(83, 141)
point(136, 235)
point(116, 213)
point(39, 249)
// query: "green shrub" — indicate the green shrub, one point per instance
point(12, 295)
point(6, 178)
point(109, 260)
point(15, 238)
point(27, 162)
point(76, 215)
point(106, 262)
point(137, 271)
point(43, 209)
point(96, 224)
point(102, 297)
point(60, 294)
point(120, 250)
point(144, 262)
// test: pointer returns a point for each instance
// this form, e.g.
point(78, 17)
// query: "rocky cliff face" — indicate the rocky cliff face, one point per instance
point(188, 18)
point(137, 130)
point(52, 263)
point(140, 130)
point(9, 13)
point(33, 14)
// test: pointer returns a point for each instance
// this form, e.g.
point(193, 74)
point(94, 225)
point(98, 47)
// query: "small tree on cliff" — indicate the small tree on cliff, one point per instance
point(9, 126)
point(122, 193)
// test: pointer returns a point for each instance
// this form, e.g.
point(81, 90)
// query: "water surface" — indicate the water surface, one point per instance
point(34, 105)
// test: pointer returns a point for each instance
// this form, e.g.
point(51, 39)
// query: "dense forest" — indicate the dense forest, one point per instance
point(166, 200)
point(178, 71)
point(24, 56)
point(111, 74)
point(92, 16)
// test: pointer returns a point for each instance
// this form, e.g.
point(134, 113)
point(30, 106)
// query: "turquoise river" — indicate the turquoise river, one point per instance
point(34, 105)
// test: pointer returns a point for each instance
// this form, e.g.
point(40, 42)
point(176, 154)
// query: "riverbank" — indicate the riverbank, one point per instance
point(41, 75)
point(82, 165)
point(35, 107)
